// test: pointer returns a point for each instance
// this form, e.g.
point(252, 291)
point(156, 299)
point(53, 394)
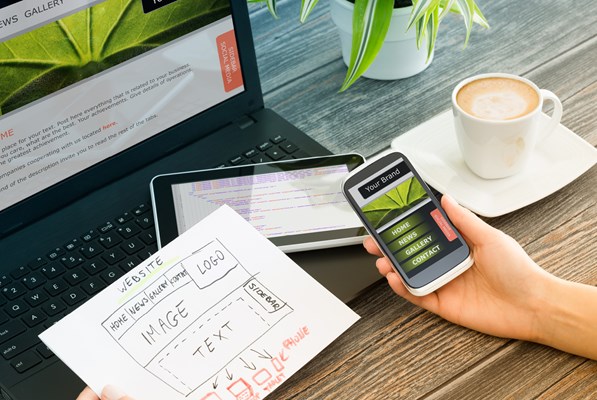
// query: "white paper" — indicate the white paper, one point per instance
point(220, 313)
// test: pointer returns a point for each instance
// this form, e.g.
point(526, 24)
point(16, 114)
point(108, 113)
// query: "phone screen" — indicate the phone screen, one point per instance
point(406, 217)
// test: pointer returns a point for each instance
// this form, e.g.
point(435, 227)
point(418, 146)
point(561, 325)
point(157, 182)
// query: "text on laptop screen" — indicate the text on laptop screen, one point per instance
point(83, 80)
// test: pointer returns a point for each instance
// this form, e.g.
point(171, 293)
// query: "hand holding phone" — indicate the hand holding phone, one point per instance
point(407, 222)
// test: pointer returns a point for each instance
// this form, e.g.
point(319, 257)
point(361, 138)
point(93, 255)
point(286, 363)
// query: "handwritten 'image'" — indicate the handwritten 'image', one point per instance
point(179, 341)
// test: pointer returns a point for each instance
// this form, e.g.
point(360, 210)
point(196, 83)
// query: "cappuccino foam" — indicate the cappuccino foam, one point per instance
point(497, 98)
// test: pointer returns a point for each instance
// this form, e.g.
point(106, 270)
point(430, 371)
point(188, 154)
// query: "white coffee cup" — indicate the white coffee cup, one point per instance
point(496, 118)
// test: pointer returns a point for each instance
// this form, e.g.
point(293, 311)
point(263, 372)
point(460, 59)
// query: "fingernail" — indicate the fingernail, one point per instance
point(112, 393)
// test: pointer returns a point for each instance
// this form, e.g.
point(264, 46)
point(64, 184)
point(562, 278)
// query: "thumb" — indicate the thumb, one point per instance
point(471, 226)
point(113, 393)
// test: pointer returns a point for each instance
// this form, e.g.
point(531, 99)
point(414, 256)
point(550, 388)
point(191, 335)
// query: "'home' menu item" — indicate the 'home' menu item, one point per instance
point(218, 312)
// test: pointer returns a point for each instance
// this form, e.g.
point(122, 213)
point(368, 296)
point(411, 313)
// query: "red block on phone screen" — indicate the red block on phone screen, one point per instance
point(443, 225)
point(229, 61)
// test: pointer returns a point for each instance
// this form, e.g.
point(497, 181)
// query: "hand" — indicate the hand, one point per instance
point(493, 296)
point(109, 393)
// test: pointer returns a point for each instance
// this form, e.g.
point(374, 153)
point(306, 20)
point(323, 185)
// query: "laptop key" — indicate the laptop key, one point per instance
point(11, 329)
point(56, 253)
point(90, 235)
point(73, 244)
point(277, 139)
point(260, 159)
point(289, 147)
point(141, 209)
point(145, 222)
point(112, 256)
point(110, 240)
point(26, 361)
point(128, 230)
point(132, 246)
point(34, 280)
point(147, 237)
point(105, 227)
point(91, 249)
point(19, 272)
point(73, 296)
point(3, 317)
point(251, 153)
point(34, 317)
point(19, 344)
point(16, 308)
point(36, 298)
point(4, 280)
point(127, 216)
point(264, 146)
point(275, 153)
point(111, 274)
point(13, 290)
point(44, 351)
point(53, 270)
point(236, 160)
point(95, 266)
point(56, 287)
point(54, 307)
point(38, 262)
point(92, 285)
point(72, 261)
point(129, 264)
point(75, 277)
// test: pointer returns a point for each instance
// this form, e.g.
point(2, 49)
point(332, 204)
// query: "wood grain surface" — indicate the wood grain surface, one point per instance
point(397, 350)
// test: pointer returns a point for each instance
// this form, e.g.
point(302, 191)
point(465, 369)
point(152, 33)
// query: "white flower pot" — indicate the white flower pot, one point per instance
point(399, 56)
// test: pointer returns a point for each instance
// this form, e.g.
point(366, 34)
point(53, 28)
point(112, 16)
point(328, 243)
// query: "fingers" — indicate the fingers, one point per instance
point(469, 225)
point(113, 393)
point(87, 394)
point(371, 247)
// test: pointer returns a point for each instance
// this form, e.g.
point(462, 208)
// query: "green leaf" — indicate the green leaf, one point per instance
point(76, 47)
point(432, 29)
point(370, 23)
point(395, 202)
point(419, 9)
point(467, 9)
point(306, 8)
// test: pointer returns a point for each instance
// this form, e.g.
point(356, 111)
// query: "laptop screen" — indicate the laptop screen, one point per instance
point(81, 81)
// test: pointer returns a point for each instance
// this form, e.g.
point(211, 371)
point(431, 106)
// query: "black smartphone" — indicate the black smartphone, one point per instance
point(406, 220)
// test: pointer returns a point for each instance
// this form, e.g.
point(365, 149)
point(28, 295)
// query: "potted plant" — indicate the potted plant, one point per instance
point(390, 39)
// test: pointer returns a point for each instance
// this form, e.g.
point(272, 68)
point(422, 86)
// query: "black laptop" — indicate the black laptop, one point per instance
point(96, 98)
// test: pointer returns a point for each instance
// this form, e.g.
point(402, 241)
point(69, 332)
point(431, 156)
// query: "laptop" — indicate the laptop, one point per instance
point(96, 98)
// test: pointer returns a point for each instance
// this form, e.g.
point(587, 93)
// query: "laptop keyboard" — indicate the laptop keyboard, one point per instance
point(36, 295)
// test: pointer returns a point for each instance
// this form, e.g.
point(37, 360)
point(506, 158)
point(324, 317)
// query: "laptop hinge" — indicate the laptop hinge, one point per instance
point(245, 121)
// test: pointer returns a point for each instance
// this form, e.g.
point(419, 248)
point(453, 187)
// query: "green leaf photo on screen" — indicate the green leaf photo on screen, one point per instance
point(54, 56)
point(395, 202)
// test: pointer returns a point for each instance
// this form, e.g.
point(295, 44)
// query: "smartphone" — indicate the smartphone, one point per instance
point(406, 220)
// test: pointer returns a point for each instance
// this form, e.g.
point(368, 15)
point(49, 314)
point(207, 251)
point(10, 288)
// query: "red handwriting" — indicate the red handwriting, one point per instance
point(295, 339)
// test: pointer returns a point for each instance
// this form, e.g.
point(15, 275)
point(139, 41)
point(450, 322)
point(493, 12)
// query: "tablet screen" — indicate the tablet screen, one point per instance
point(296, 204)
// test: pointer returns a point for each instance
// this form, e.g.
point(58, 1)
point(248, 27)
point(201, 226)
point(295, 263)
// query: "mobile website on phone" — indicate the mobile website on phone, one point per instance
point(400, 210)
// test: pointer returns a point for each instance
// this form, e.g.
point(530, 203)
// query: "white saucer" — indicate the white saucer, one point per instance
point(432, 148)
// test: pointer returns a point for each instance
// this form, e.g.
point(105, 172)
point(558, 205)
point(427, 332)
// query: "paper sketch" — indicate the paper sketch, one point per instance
point(220, 313)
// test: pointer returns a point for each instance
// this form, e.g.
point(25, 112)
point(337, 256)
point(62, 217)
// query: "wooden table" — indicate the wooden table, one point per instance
point(398, 350)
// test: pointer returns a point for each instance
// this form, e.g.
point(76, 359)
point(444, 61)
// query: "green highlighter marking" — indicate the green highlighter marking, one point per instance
point(136, 287)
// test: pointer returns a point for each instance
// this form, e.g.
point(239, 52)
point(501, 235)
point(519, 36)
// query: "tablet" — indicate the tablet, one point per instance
point(297, 204)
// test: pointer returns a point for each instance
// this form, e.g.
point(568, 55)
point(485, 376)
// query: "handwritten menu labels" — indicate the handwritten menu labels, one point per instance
point(220, 313)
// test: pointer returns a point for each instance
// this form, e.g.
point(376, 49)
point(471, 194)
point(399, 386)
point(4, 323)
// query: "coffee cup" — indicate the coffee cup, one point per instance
point(497, 122)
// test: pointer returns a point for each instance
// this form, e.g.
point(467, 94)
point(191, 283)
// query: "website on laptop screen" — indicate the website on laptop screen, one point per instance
point(82, 80)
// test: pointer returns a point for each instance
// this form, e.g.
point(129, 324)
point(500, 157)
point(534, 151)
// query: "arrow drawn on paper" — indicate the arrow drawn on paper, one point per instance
point(228, 375)
point(215, 383)
point(266, 356)
point(247, 365)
